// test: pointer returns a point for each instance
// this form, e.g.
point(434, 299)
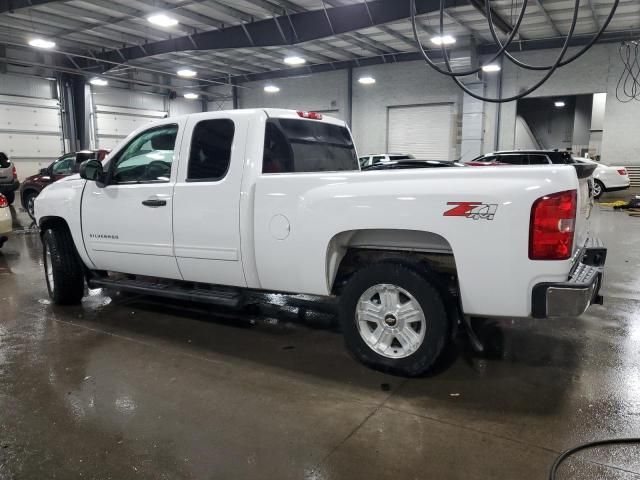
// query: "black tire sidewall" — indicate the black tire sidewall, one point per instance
point(598, 182)
point(425, 293)
point(49, 242)
point(27, 197)
point(66, 269)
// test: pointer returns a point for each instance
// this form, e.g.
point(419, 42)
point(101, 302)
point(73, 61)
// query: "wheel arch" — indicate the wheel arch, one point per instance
point(346, 250)
point(53, 222)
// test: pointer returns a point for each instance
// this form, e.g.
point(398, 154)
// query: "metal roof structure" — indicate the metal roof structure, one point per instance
point(244, 40)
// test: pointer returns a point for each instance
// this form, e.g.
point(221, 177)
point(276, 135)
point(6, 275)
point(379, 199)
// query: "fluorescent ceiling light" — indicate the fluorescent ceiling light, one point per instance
point(560, 104)
point(191, 96)
point(294, 60)
point(100, 82)
point(185, 72)
point(443, 40)
point(367, 80)
point(271, 89)
point(492, 67)
point(42, 43)
point(162, 20)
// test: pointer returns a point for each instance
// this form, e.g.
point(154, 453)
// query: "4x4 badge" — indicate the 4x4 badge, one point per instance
point(473, 210)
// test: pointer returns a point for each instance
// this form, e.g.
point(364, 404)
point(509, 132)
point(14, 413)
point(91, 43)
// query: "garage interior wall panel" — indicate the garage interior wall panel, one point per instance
point(319, 92)
point(118, 112)
point(182, 106)
point(472, 124)
point(425, 131)
point(407, 83)
point(30, 122)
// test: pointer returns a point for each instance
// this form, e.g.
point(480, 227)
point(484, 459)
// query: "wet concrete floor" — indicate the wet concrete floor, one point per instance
point(127, 386)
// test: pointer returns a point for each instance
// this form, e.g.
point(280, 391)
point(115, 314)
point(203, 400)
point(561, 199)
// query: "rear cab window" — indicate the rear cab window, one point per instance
point(210, 155)
point(306, 146)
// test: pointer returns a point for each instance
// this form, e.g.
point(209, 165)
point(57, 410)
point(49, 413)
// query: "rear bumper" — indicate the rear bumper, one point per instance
point(9, 187)
point(573, 297)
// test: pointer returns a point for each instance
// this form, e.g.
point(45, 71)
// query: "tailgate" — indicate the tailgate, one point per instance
point(585, 203)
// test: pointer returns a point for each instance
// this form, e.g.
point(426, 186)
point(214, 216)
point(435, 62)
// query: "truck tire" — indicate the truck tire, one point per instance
point(393, 319)
point(63, 270)
point(11, 197)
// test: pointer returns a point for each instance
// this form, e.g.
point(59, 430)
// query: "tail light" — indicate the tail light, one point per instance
point(622, 171)
point(3, 201)
point(552, 227)
point(310, 115)
point(15, 173)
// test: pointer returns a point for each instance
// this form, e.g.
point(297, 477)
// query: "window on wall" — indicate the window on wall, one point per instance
point(211, 147)
point(307, 146)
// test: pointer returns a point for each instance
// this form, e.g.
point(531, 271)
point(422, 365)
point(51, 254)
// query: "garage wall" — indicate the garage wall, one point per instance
point(597, 71)
point(182, 106)
point(397, 85)
point(118, 112)
point(30, 122)
point(320, 92)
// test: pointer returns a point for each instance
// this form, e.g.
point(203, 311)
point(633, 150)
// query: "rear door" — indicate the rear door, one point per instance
point(127, 225)
point(206, 208)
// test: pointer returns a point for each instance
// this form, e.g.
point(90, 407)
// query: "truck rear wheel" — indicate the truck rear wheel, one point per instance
point(63, 271)
point(393, 319)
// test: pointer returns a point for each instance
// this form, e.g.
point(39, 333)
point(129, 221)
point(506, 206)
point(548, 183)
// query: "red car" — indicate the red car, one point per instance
point(64, 166)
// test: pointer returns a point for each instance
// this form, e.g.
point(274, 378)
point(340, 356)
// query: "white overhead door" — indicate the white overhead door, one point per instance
point(30, 131)
point(113, 124)
point(425, 131)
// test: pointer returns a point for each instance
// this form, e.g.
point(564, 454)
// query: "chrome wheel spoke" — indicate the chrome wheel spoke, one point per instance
point(390, 321)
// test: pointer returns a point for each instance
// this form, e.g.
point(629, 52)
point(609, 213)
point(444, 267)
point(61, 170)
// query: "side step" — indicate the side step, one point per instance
point(227, 298)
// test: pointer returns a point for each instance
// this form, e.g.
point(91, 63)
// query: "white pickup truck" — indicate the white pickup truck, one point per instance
point(218, 207)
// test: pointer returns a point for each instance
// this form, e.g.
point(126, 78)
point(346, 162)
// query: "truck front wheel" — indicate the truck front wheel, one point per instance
point(63, 271)
point(393, 319)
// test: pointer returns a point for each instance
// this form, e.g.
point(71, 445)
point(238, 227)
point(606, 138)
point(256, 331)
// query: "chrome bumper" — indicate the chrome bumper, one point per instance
point(573, 297)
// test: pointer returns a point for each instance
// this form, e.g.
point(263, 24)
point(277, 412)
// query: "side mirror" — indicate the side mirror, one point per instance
point(92, 170)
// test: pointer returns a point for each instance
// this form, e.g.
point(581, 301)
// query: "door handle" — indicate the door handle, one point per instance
point(154, 203)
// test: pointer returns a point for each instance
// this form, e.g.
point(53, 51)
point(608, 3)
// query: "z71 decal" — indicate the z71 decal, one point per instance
point(473, 210)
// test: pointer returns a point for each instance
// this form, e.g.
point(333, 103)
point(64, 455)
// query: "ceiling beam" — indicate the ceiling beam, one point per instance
point(13, 5)
point(546, 15)
point(290, 29)
point(498, 20)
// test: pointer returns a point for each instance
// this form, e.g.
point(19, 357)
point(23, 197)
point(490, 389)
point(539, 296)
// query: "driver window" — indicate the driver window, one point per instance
point(63, 167)
point(147, 158)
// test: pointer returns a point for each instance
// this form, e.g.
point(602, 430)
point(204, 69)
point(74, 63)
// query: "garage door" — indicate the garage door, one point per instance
point(113, 124)
point(30, 131)
point(425, 131)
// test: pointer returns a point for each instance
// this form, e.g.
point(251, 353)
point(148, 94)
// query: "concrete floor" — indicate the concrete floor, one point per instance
point(131, 387)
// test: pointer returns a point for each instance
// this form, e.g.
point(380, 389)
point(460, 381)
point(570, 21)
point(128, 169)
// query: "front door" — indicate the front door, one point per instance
point(127, 225)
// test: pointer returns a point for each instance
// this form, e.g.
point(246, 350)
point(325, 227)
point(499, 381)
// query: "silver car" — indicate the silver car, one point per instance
point(8, 178)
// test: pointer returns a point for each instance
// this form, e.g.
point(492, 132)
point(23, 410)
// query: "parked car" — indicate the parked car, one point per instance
point(369, 160)
point(6, 220)
point(406, 164)
point(8, 178)
point(219, 206)
point(524, 157)
point(606, 178)
point(64, 166)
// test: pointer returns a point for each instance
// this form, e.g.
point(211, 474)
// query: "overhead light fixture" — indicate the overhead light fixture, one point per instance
point(42, 43)
point(560, 104)
point(294, 60)
point(99, 82)
point(367, 80)
point(443, 40)
point(185, 72)
point(162, 20)
point(492, 67)
point(191, 96)
point(271, 89)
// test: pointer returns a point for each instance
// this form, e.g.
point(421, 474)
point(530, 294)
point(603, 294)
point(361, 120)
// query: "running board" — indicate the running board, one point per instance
point(227, 298)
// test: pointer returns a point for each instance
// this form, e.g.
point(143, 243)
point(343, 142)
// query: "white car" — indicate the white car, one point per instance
point(369, 160)
point(6, 220)
point(219, 207)
point(606, 178)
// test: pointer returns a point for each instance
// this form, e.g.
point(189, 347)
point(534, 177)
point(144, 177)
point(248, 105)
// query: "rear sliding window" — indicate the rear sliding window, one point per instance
point(307, 146)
